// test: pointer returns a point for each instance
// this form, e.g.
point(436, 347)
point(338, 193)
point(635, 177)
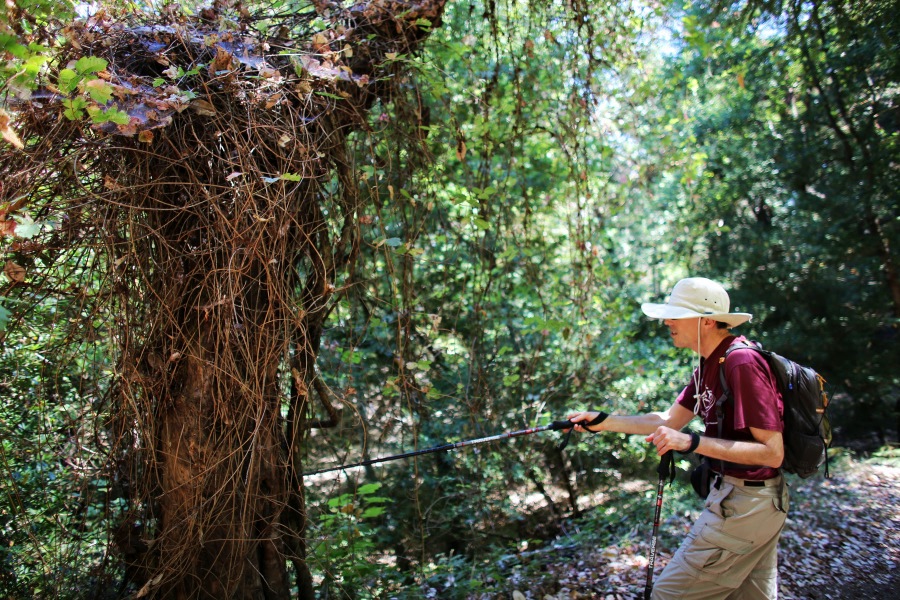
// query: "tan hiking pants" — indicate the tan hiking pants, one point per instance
point(731, 551)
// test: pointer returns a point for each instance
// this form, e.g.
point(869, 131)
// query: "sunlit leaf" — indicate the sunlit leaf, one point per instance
point(99, 90)
point(368, 488)
point(27, 228)
point(90, 64)
point(74, 108)
point(67, 81)
point(117, 116)
point(481, 224)
point(33, 64)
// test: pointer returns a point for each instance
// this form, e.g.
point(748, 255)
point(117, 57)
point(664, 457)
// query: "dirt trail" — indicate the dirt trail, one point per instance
point(841, 542)
point(842, 539)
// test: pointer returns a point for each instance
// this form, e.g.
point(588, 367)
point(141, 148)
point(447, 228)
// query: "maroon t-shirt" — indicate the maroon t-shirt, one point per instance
point(756, 401)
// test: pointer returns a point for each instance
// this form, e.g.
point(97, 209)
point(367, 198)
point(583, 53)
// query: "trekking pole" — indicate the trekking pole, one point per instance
point(666, 470)
point(554, 426)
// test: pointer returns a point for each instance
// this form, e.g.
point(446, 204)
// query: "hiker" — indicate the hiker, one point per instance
point(731, 551)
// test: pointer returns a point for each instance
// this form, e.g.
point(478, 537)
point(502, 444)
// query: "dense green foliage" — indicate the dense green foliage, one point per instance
point(57, 511)
point(795, 115)
point(549, 169)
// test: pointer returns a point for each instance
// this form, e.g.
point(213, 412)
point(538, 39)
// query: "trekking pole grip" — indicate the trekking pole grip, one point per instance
point(666, 468)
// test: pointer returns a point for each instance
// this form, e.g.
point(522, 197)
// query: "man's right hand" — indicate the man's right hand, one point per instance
point(588, 420)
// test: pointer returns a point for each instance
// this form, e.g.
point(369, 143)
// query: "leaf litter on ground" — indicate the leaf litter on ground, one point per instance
point(841, 542)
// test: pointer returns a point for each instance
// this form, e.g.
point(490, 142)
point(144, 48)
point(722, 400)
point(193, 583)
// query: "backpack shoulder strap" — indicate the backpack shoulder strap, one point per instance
point(726, 390)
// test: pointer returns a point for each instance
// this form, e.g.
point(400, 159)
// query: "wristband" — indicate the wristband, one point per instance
point(695, 441)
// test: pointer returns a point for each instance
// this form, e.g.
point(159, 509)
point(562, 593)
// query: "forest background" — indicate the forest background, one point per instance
point(533, 172)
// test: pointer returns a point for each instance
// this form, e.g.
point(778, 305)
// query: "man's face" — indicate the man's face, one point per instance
point(683, 332)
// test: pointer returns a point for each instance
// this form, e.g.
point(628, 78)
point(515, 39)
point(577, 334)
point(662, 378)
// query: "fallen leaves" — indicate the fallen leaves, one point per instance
point(223, 62)
point(842, 540)
point(843, 534)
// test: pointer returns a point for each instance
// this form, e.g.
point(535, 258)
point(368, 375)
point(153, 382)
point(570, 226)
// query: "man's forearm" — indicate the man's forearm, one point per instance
point(769, 453)
point(644, 424)
point(633, 424)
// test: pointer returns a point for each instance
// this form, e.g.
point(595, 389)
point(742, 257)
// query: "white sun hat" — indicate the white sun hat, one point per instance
point(696, 297)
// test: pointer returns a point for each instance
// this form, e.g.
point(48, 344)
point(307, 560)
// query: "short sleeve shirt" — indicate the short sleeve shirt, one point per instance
point(756, 401)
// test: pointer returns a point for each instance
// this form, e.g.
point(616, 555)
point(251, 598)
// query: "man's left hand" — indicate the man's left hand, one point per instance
point(666, 438)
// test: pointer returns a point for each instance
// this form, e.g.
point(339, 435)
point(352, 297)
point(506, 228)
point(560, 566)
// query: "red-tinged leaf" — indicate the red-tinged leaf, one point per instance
point(128, 129)
point(8, 132)
point(15, 272)
point(99, 90)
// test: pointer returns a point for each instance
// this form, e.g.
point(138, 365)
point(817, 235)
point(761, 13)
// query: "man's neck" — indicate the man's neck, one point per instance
point(711, 340)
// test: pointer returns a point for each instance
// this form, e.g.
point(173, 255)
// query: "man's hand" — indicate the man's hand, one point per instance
point(588, 420)
point(666, 438)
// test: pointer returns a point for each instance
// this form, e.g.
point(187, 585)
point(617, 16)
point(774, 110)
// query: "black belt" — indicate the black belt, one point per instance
point(748, 482)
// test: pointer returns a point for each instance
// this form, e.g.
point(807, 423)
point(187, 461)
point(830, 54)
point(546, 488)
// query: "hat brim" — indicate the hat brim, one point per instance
point(667, 311)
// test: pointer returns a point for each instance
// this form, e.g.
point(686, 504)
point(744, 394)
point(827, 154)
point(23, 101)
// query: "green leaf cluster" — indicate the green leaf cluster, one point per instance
point(95, 94)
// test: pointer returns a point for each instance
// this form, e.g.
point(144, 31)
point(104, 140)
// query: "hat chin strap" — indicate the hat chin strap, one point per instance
point(698, 374)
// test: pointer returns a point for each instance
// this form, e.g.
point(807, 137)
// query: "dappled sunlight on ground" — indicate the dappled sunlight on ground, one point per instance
point(841, 541)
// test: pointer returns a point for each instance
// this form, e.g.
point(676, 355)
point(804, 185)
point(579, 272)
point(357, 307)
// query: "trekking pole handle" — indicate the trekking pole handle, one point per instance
point(567, 424)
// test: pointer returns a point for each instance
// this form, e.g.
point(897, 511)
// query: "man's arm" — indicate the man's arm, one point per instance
point(675, 418)
point(767, 449)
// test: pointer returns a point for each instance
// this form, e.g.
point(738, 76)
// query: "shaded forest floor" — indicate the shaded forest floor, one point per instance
point(841, 541)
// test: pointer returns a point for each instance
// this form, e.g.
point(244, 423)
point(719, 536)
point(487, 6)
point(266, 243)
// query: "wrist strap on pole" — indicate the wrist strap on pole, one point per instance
point(601, 416)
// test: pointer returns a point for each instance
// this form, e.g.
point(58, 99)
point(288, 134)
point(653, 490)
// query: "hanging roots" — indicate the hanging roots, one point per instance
point(206, 227)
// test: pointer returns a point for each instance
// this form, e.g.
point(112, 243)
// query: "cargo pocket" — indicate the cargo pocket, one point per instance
point(714, 553)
